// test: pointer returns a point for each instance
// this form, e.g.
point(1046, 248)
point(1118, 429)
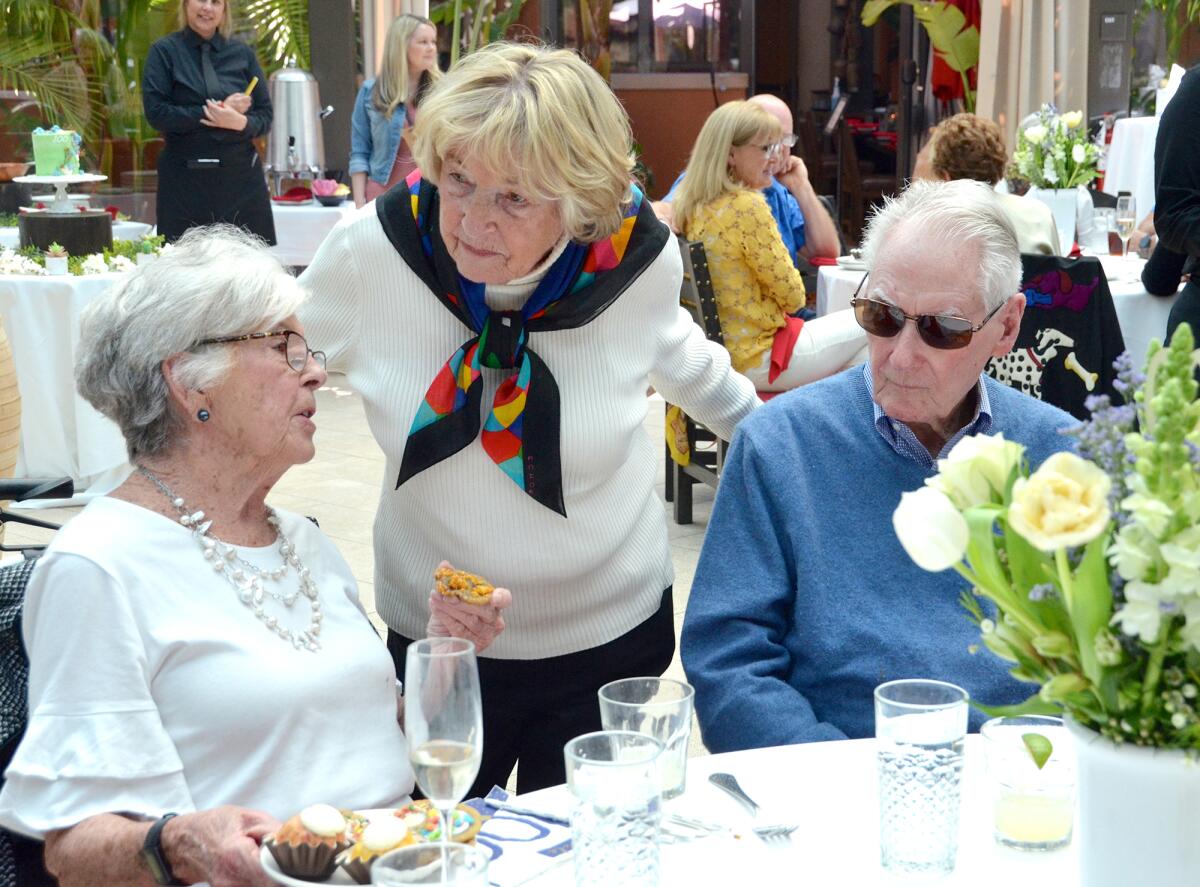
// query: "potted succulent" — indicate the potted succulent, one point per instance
point(56, 259)
point(147, 251)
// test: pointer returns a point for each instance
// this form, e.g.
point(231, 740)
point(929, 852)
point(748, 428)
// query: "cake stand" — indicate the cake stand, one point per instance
point(62, 204)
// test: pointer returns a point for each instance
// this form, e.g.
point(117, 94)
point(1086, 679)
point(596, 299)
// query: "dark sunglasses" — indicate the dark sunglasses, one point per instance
point(296, 348)
point(943, 331)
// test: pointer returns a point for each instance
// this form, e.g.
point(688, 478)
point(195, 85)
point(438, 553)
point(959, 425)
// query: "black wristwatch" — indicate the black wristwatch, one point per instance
point(154, 858)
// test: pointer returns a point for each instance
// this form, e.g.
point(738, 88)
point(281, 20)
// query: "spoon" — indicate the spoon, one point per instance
point(728, 784)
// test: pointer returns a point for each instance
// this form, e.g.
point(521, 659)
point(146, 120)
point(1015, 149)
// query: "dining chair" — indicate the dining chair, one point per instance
point(822, 167)
point(858, 190)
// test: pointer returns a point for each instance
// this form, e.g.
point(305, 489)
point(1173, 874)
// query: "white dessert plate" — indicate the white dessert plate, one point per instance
point(271, 867)
point(851, 264)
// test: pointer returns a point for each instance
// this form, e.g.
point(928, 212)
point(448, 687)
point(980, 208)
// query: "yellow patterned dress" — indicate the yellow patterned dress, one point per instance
point(755, 282)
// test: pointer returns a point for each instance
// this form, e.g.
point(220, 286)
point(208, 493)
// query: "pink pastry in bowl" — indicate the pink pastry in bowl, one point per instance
point(324, 187)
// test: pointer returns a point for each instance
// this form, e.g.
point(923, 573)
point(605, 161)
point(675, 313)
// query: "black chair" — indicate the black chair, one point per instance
point(1069, 335)
point(704, 465)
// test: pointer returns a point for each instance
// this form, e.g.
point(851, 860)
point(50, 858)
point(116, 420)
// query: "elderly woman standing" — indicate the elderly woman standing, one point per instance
point(502, 319)
point(380, 156)
point(755, 281)
point(198, 658)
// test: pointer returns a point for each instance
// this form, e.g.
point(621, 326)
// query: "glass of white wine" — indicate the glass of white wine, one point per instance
point(1126, 221)
point(443, 717)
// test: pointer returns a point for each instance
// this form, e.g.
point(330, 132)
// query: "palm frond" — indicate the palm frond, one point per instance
point(60, 86)
point(282, 30)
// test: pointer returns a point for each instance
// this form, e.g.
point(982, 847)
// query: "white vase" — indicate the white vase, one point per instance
point(1138, 813)
point(56, 265)
point(1063, 205)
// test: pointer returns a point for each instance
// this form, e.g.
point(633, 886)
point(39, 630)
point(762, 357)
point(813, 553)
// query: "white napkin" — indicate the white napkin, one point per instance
point(522, 845)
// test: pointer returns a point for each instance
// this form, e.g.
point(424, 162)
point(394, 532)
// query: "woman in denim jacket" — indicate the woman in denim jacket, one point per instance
point(379, 156)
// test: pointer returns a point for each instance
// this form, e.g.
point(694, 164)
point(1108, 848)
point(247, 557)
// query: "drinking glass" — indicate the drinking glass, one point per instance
point(613, 777)
point(919, 729)
point(657, 707)
point(1104, 223)
point(1033, 807)
point(1126, 221)
point(443, 717)
point(460, 865)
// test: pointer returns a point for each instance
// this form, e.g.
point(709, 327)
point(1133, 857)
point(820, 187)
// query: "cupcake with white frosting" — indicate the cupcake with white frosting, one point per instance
point(380, 836)
point(307, 845)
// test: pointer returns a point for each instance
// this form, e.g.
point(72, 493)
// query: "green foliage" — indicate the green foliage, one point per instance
point(1056, 152)
point(1177, 16)
point(955, 42)
point(474, 24)
point(282, 29)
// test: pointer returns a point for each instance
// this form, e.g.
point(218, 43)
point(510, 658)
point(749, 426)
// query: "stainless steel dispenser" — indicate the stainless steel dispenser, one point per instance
point(296, 145)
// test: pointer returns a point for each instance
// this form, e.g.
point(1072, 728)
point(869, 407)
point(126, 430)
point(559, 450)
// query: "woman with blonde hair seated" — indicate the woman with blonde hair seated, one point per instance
point(756, 284)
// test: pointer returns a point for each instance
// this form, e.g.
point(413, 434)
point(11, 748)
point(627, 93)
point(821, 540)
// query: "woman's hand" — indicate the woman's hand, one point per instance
point(239, 101)
point(218, 116)
point(480, 624)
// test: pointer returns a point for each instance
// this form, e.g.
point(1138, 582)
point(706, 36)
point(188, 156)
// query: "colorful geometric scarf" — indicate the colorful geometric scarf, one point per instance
point(521, 432)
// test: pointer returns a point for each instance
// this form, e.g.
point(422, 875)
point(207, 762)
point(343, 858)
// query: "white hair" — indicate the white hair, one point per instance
point(213, 282)
point(959, 212)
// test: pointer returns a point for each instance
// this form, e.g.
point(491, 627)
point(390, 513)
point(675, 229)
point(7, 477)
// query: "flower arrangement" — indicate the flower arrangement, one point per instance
point(1055, 152)
point(121, 257)
point(1092, 562)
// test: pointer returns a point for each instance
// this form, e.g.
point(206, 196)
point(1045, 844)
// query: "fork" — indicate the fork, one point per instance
point(770, 834)
point(775, 834)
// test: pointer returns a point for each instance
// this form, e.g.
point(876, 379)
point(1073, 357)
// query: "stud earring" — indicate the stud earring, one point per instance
point(203, 415)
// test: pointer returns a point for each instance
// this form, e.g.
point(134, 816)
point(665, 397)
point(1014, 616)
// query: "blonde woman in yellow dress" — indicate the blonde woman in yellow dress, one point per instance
point(756, 284)
point(387, 105)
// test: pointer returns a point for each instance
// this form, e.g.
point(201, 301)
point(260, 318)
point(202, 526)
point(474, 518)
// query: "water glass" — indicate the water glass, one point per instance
point(613, 777)
point(1033, 807)
point(920, 728)
point(657, 707)
point(457, 865)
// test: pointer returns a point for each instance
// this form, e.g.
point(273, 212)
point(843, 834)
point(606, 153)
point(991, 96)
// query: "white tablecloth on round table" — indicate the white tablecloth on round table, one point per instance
point(61, 434)
point(11, 237)
point(829, 789)
point(1131, 161)
point(299, 230)
point(1142, 316)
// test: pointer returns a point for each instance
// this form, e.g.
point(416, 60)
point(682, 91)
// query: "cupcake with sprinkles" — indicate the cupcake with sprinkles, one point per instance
point(380, 836)
point(307, 845)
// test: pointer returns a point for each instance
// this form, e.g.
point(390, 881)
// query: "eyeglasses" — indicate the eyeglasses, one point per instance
point(297, 349)
point(789, 140)
point(944, 331)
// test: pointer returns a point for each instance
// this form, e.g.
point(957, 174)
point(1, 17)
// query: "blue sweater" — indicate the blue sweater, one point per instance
point(803, 600)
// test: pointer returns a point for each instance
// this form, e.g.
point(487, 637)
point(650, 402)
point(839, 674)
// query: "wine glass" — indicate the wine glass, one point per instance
point(1126, 221)
point(443, 716)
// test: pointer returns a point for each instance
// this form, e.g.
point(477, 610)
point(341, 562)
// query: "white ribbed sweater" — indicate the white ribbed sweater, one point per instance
point(579, 581)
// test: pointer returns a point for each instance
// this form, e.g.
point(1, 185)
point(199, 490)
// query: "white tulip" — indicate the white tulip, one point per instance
point(1072, 119)
point(977, 469)
point(1078, 153)
point(931, 529)
point(1036, 134)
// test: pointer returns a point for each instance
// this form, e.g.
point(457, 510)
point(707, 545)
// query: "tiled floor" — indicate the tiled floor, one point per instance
point(341, 485)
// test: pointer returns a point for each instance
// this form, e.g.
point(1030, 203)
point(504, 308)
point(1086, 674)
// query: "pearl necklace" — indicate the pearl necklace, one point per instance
point(247, 579)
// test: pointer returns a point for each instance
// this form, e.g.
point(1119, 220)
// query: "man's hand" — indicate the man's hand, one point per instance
point(480, 624)
point(239, 101)
point(220, 846)
point(793, 174)
point(220, 116)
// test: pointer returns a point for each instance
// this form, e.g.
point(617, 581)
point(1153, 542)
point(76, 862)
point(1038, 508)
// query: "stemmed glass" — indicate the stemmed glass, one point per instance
point(1126, 221)
point(443, 716)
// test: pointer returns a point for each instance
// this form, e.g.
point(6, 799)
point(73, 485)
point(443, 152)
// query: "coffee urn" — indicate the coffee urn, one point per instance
point(296, 145)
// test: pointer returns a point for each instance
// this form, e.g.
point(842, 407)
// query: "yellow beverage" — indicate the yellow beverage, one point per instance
point(1033, 818)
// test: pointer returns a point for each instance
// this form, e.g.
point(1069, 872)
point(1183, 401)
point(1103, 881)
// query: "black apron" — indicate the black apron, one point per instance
point(233, 190)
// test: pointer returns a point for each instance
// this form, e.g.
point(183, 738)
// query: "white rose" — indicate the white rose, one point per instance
point(94, 264)
point(1078, 153)
point(1072, 119)
point(120, 263)
point(931, 529)
point(1063, 503)
point(977, 469)
point(1036, 134)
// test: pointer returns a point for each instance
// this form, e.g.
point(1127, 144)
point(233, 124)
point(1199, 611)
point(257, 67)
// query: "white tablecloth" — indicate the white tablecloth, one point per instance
point(1142, 316)
point(11, 237)
point(299, 230)
point(830, 789)
point(1131, 161)
point(61, 435)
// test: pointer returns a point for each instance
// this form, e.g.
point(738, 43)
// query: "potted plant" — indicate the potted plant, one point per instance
point(56, 259)
point(148, 248)
point(1056, 156)
point(1085, 575)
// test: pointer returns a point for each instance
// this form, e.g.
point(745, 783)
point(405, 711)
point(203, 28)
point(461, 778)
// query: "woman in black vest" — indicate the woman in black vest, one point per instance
point(1177, 191)
point(195, 90)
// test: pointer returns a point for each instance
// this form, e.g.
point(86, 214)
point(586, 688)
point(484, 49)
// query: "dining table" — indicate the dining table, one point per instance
point(1142, 316)
point(829, 790)
point(62, 435)
point(1129, 166)
point(300, 228)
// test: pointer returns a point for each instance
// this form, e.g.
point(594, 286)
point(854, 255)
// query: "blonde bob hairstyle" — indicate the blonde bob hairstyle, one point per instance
point(542, 116)
point(225, 29)
point(708, 176)
point(392, 85)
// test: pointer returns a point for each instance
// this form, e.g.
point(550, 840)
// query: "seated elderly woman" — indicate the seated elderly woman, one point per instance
point(198, 659)
point(502, 318)
point(969, 147)
point(756, 284)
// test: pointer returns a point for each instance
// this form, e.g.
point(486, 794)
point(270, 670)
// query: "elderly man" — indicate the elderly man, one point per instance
point(803, 600)
point(807, 229)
